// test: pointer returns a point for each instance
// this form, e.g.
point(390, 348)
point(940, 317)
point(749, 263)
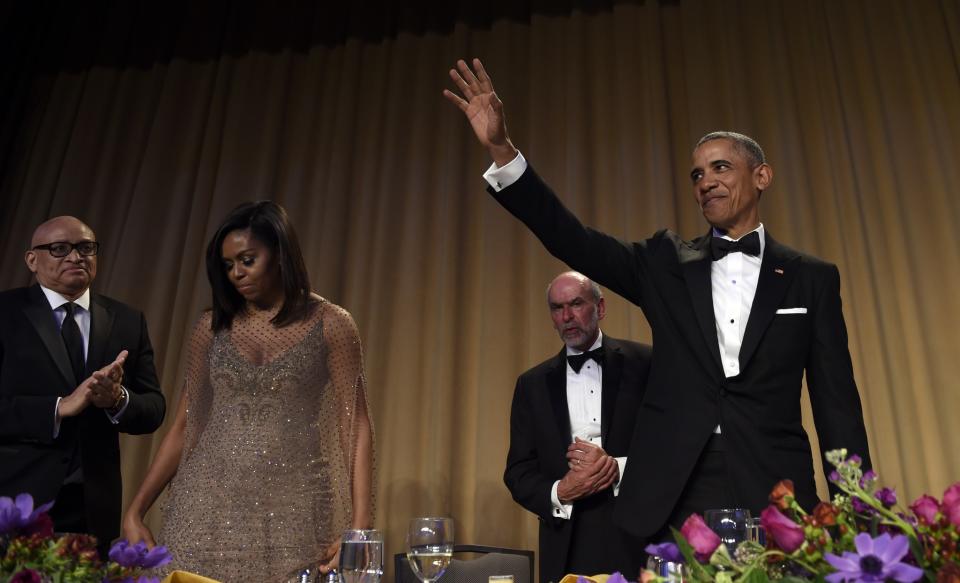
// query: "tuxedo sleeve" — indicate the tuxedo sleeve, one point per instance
point(146, 407)
point(29, 418)
point(25, 417)
point(614, 264)
point(528, 484)
point(834, 398)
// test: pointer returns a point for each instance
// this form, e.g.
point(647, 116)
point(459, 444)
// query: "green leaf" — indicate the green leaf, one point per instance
point(755, 575)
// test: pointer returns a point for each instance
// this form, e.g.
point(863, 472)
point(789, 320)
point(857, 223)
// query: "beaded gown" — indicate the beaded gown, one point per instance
point(264, 480)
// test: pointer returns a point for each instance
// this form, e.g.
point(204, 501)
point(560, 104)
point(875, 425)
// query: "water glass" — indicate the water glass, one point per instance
point(732, 525)
point(361, 556)
point(757, 532)
point(674, 572)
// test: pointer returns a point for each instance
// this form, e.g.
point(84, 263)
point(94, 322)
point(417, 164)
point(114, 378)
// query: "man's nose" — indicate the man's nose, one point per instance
point(74, 255)
point(567, 314)
point(707, 184)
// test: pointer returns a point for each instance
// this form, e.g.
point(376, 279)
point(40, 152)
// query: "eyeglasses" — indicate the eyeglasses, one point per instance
point(63, 248)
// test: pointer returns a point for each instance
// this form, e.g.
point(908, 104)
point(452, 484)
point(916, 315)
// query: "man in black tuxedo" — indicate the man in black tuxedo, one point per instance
point(570, 427)
point(737, 318)
point(76, 369)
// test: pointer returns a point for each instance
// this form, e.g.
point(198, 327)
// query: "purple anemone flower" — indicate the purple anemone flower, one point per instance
point(127, 555)
point(887, 497)
point(669, 551)
point(876, 560)
point(868, 478)
point(19, 513)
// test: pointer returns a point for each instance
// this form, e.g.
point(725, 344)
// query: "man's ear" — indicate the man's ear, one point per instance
point(601, 308)
point(30, 258)
point(763, 177)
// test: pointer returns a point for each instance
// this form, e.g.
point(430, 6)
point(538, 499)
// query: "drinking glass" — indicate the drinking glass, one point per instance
point(430, 547)
point(669, 570)
point(361, 556)
point(757, 532)
point(732, 525)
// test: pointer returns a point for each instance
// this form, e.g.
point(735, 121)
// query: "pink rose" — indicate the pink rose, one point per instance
point(951, 504)
point(926, 508)
point(786, 534)
point(703, 540)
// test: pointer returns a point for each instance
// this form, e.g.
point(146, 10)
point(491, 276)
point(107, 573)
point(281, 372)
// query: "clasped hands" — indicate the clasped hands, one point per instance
point(101, 389)
point(591, 470)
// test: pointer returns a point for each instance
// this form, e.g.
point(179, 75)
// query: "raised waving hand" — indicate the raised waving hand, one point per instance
point(484, 110)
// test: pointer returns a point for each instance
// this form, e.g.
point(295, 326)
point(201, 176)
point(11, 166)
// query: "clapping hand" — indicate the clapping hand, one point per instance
point(105, 391)
point(101, 389)
point(479, 102)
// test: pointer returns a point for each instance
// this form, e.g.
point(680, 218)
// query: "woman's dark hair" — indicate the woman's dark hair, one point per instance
point(269, 224)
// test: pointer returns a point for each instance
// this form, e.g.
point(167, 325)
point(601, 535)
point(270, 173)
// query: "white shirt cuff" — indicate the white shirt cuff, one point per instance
point(559, 510)
point(504, 176)
point(56, 418)
point(622, 466)
point(115, 419)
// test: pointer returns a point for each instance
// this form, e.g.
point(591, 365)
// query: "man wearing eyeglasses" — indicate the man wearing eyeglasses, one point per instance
point(76, 369)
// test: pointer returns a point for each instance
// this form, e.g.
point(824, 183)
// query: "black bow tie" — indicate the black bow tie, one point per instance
point(577, 360)
point(750, 245)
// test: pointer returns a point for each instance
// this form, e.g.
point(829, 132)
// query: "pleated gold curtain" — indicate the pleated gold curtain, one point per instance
point(151, 122)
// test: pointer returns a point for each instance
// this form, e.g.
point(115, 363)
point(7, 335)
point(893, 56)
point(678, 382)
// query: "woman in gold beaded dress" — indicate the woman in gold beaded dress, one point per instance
point(270, 456)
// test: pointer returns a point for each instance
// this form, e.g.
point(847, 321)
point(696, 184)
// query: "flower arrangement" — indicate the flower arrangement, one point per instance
point(860, 536)
point(31, 553)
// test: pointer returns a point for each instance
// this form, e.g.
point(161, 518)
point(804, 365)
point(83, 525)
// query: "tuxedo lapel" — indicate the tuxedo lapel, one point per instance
point(611, 371)
point(101, 323)
point(696, 263)
point(557, 390)
point(776, 273)
point(37, 310)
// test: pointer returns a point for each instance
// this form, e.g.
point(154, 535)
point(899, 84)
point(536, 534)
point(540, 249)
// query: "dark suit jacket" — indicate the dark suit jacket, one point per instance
point(539, 436)
point(687, 394)
point(35, 370)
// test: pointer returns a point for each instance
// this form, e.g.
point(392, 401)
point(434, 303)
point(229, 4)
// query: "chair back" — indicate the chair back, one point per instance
point(494, 561)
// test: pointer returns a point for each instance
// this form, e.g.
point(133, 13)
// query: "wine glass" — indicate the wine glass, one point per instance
point(361, 556)
point(732, 525)
point(430, 547)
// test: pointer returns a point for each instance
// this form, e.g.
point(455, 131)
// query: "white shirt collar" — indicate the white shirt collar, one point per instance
point(596, 344)
point(56, 300)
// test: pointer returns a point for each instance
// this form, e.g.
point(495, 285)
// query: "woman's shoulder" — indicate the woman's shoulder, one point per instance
point(204, 324)
point(334, 317)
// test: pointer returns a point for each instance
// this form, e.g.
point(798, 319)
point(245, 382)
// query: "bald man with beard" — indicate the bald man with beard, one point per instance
point(76, 370)
point(571, 422)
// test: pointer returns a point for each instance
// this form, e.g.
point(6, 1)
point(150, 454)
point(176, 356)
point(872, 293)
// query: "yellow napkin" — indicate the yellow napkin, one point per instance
point(571, 578)
point(184, 577)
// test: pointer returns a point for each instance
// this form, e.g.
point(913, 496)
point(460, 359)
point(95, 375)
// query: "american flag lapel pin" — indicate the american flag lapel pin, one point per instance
point(778, 271)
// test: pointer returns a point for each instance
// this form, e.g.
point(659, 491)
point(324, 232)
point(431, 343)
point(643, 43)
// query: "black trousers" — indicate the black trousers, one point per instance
point(69, 514)
point(708, 487)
